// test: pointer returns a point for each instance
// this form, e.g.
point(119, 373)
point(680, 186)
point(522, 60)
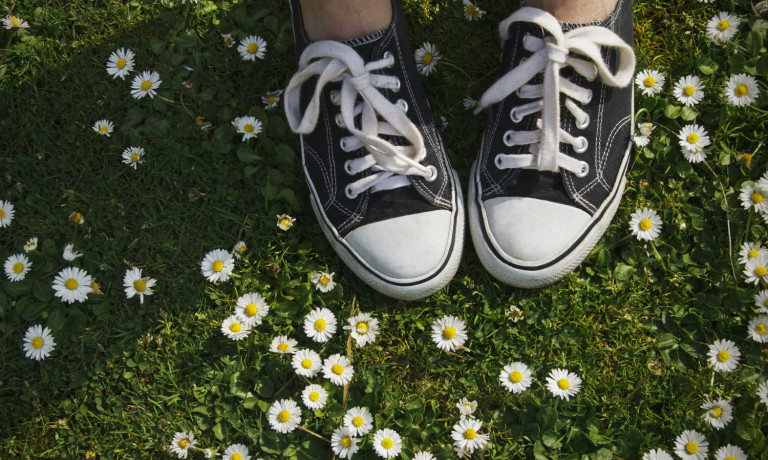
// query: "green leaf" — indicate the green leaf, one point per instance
point(551, 439)
point(754, 43)
point(736, 63)
point(546, 417)
point(158, 45)
point(623, 272)
point(218, 431)
point(707, 66)
point(247, 155)
point(56, 319)
point(672, 111)
point(689, 113)
point(250, 402)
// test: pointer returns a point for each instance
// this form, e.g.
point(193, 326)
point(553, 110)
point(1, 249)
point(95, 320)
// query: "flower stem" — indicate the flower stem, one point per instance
point(727, 218)
point(313, 433)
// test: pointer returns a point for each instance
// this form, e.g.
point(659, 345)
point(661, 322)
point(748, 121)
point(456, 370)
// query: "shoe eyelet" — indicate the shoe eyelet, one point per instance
point(397, 85)
point(432, 173)
point(340, 121)
point(348, 167)
point(508, 139)
point(498, 161)
point(583, 147)
point(584, 170)
point(335, 97)
point(343, 145)
point(402, 105)
point(513, 115)
point(348, 192)
point(589, 97)
point(388, 55)
point(583, 125)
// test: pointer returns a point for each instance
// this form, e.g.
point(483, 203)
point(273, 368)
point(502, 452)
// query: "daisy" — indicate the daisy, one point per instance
point(693, 138)
point(320, 325)
point(722, 27)
point(651, 82)
point(314, 396)
point(14, 22)
point(103, 127)
point(723, 355)
point(209, 453)
point(363, 327)
point(38, 342)
point(466, 435)
point(563, 384)
point(248, 126)
point(239, 249)
point(689, 90)
point(423, 455)
point(16, 267)
point(307, 363)
point(76, 218)
point(284, 416)
point(217, 265)
point(762, 392)
point(252, 47)
point(343, 442)
point(251, 308)
point(69, 253)
point(282, 344)
point(691, 445)
point(470, 103)
point(645, 224)
point(741, 90)
point(31, 245)
point(718, 413)
point(514, 313)
point(229, 42)
point(135, 284)
point(751, 250)
point(644, 137)
point(72, 285)
point(182, 442)
point(338, 369)
point(758, 328)
point(471, 12)
point(120, 63)
point(323, 281)
point(145, 84)
point(516, 377)
point(449, 333)
point(233, 328)
point(236, 452)
point(6, 213)
point(756, 269)
point(761, 301)
point(133, 156)
point(657, 454)
point(730, 452)
point(271, 99)
point(466, 407)
point(426, 58)
point(359, 421)
point(761, 7)
point(284, 221)
point(387, 443)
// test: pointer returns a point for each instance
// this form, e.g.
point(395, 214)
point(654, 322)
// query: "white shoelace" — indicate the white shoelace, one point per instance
point(549, 56)
point(390, 164)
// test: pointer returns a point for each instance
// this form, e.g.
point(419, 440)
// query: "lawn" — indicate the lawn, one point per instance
point(636, 321)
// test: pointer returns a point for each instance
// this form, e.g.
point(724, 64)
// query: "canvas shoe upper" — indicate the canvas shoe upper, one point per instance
point(380, 182)
point(550, 172)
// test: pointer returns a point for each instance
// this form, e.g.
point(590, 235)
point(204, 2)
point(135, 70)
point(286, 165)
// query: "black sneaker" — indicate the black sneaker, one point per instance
point(550, 172)
point(379, 179)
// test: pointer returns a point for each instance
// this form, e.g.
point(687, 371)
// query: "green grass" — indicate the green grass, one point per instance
point(124, 376)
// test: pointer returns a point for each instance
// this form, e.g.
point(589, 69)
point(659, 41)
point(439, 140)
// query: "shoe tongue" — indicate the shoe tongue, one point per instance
point(366, 44)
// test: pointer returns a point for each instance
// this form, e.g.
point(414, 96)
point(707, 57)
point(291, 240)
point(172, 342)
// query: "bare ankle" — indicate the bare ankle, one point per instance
point(344, 19)
point(576, 11)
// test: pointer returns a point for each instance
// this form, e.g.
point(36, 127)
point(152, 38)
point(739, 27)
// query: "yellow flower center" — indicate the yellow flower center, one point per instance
point(235, 327)
point(285, 222)
point(306, 363)
point(325, 279)
point(346, 441)
point(140, 285)
point(723, 25)
point(449, 333)
point(146, 84)
point(241, 248)
point(251, 309)
point(227, 41)
point(71, 284)
point(15, 21)
point(761, 271)
point(253, 48)
point(760, 329)
point(427, 59)
point(18, 267)
point(689, 90)
point(715, 412)
point(691, 447)
point(135, 157)
point(563, 384)
point(236, 456)
point(314, 396)
point(730, 457)
point(516, 377)
point(645, 224)
point(184, 443)
point(753, 253)
point(387, 443)
point(320, 325)
point(284, 416)
point(336, 369)
point(747, 158)
point(95, 287)
point(217, 265)
point(693, 138)
point(649, 82)
point(104, 129)
point(723, 356)
point(272, 99)
point(740, 90)
point(248, 128)
point(472, 10)
point(470, 433)
point(358, 421)
point(283, 347)
point(75, 217)
point(120, 63)
point(362, 328)
point(37, 343)
point(2, 213)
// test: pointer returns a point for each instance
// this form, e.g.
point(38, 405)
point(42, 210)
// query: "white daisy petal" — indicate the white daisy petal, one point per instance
point(516, 377)
point(724, 355)
point(182, 443)
point(691, 445)
point(426, 58)
point(645, 224)
point(562, 383)
point(252, 47)
point(137, 285)
point(717, 413)
point(449, 333)
point(145, 84)
point(650, 82)
point(387, 443)
point(120, 63)
point(722, 27)
point(72, 285)
point(359, 421)
point(338, 369)
point(16, 267)
point(320, 325)
point(38, 342)
point(307, 363)
point(284, 416)
point(217, 265)
point(741, 90)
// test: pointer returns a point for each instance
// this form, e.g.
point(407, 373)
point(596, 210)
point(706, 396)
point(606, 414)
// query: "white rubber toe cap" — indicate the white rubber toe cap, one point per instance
point(531, 231)
point(404, 248)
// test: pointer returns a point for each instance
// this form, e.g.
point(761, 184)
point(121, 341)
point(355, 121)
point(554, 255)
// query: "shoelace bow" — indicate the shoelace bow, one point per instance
point(549, 56)
point(390, 164)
